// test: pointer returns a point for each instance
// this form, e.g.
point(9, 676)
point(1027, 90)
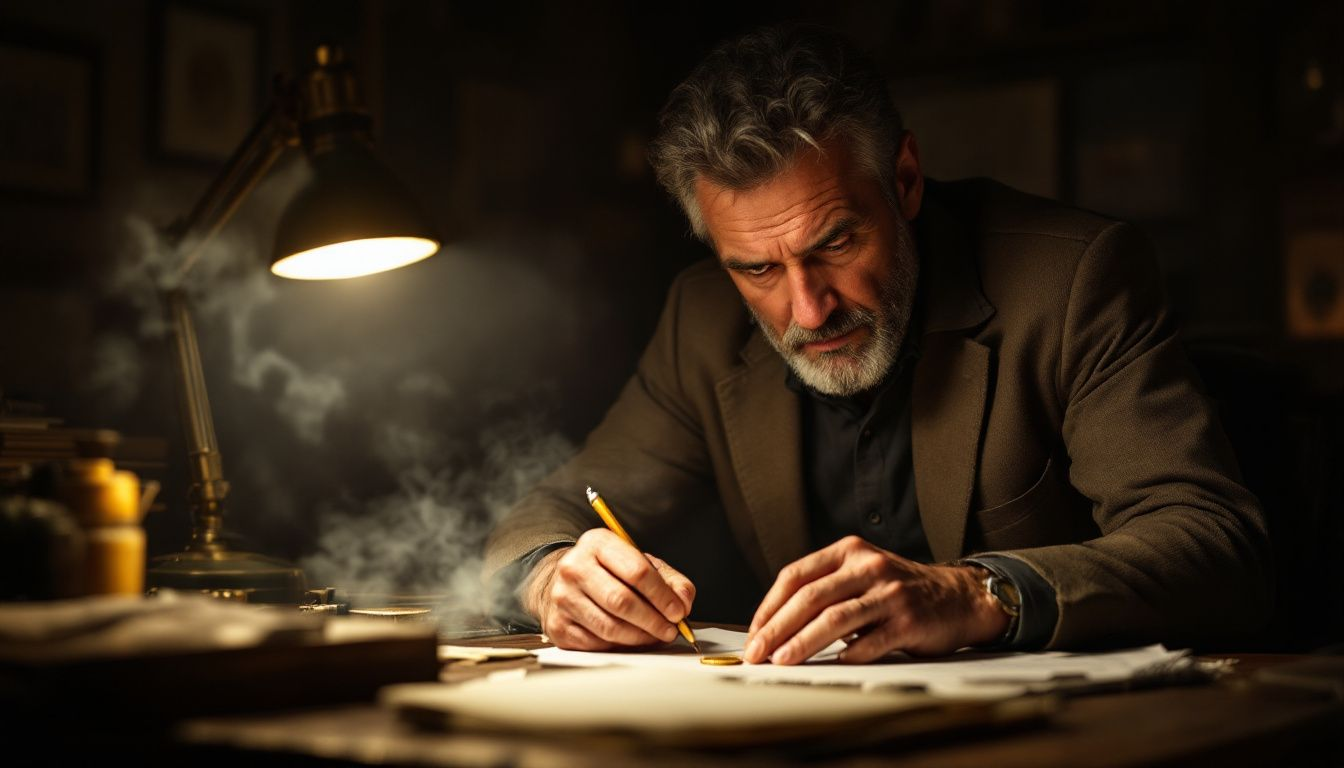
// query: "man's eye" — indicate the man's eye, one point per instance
point(837, 245)
point(758, 270)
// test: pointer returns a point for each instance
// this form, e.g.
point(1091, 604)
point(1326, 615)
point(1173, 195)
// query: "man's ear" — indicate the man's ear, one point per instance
point(909, 177)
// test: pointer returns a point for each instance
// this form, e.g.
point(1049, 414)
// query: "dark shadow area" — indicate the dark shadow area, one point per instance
point(413, 406)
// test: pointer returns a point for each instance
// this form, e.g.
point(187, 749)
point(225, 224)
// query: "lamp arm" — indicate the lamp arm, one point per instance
point(189, 236)
point(245, 168)
point(208, 486)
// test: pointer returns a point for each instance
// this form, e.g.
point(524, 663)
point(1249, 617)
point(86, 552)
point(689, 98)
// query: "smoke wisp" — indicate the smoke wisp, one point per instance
point(425, 538)
point(382, 428)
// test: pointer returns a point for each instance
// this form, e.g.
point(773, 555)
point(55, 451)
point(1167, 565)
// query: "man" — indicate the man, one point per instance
point(967, 403)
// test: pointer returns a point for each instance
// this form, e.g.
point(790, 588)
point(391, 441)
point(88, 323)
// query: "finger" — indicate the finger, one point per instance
point(872, 645)
point(682, 586)
point(838, 620)
point(572, 636)
point(632, 567)
point(616, 598)
point(802, 607)
point(589, 615)
point(792, 577)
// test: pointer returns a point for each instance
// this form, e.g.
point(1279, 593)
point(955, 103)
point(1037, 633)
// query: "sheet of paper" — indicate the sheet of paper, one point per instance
point(663, 706)
point(108, 627)
point(479, 653)
point(676, 655)
point(961, 675)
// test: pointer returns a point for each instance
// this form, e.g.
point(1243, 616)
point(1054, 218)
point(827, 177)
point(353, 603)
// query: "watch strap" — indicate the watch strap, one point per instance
point(1004, 593)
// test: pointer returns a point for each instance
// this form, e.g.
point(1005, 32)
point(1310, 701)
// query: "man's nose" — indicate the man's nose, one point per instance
point(811, 298)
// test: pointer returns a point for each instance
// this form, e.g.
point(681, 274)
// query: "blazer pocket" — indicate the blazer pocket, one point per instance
point(1010, 513)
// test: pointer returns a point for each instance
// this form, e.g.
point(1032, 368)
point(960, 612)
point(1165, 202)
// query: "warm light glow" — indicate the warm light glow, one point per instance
point(354, 258)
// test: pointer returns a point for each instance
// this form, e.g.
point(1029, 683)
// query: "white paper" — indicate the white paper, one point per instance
point(676, 655)
point(960, 675)
point(654, 702)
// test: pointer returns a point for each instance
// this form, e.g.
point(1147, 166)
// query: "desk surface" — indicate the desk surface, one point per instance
point(1237, 721)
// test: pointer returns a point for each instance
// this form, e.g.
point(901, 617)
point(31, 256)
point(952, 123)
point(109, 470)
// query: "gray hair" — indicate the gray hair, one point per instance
point(755, 102)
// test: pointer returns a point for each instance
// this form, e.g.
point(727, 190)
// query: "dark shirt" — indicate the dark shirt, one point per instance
point(860, 468)
point(860, 479)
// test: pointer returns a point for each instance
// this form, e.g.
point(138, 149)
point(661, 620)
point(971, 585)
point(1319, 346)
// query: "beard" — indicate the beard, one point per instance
point(857, 366)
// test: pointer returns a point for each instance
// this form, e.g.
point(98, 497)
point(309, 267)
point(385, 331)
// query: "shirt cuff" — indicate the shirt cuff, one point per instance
point(509, 581)
point(1040, 612)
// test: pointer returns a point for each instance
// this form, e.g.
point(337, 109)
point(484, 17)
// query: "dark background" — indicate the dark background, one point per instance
point(1217, 127)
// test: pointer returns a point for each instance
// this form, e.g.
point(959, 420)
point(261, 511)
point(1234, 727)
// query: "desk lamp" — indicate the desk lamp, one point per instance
point(351, 219)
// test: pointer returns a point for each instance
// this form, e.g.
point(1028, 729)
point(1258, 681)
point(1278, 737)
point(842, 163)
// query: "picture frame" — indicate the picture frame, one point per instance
point(1312, 230)
point(1314, 283)
point(49, 127)
point(207, 80)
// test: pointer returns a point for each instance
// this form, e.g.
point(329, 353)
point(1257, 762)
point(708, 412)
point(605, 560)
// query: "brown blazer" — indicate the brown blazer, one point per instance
point(1055, 419)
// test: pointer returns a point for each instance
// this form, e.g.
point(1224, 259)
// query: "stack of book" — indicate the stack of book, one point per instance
point(29, 437)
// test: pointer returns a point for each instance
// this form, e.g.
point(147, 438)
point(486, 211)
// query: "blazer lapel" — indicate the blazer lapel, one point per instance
point(951, 380)
point(764, 432)
point(947, 414)
point(764, 429)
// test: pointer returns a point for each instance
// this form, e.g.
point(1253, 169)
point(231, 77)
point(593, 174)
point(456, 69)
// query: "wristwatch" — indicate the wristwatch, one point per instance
point(1005, 594)
point(1009, 599)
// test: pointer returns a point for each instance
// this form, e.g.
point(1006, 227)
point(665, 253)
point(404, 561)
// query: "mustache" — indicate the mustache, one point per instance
point(839, 323)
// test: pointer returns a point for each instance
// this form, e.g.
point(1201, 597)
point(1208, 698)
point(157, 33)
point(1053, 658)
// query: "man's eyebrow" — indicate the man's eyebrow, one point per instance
point(842, 227)
point(736, 264)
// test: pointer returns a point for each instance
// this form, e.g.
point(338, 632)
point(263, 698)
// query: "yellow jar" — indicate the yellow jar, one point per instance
point(106, 501)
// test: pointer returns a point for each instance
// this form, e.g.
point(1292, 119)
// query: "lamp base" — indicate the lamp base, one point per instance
point(225, 573)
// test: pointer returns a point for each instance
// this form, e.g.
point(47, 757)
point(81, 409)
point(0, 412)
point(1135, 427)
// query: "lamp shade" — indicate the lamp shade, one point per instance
point(351, 219)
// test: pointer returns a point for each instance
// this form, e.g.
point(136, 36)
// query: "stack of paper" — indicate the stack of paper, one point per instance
point(119, 658)
point(962, 675)
point(670, 708)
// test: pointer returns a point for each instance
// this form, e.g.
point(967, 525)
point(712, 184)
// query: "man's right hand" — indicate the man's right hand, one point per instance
point(603, 593)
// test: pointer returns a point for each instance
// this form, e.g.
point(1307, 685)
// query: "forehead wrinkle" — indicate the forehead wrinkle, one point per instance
point(798, 222)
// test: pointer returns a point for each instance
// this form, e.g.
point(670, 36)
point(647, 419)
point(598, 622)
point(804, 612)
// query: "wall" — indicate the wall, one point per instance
point(446, 387)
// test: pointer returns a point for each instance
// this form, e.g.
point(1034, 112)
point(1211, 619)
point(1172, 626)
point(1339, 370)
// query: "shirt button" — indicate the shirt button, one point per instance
point(867, 433)
point(874, 518)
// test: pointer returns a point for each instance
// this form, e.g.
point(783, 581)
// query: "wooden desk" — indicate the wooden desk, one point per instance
point(1236, 721)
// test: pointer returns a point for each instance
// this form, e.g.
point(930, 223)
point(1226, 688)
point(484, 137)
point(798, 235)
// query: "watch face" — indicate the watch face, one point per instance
point(1006, 593)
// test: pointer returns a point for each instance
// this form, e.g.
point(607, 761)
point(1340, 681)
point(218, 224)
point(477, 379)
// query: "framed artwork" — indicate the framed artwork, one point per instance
point(1314, 283)
point(49, 123)
point(207, 80)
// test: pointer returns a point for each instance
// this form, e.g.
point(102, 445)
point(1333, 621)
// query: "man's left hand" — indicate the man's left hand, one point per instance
point(885, 603)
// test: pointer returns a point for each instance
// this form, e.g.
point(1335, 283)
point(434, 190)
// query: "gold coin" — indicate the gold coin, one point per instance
point(720, 661)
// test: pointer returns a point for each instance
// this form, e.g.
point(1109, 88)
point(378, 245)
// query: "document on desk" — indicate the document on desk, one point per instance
point(665, 707)
point(968, 674)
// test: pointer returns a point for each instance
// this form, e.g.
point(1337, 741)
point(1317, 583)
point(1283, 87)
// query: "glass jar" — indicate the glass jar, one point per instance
point(106, 502)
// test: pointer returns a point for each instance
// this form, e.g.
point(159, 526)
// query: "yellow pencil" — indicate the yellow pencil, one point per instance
point(604, 512)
